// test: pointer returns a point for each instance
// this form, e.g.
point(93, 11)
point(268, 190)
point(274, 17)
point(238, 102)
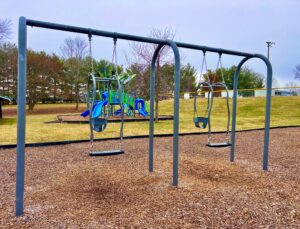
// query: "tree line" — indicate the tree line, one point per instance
point(49, 80)
point(62, 79)
point(53, 78)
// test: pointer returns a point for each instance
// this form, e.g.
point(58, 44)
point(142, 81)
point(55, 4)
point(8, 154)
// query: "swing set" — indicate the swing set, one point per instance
point(209, 85)
point(21, 100)
point(100, 111)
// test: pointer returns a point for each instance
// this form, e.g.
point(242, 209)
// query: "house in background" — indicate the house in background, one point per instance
point(283, 93)
point(263, 93)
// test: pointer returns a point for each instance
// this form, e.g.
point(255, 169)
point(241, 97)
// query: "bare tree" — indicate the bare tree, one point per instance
point(297, 72)
point(5, 30)
point(140, 59)
point(74, 51)
point(293, 87)
point(142, 53)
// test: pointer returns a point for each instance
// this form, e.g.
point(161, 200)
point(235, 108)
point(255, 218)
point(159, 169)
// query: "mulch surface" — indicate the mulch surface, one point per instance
point(65, 188)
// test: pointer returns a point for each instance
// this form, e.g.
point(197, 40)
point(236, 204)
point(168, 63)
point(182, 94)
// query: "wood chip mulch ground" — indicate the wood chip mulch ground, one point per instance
point(65, 188)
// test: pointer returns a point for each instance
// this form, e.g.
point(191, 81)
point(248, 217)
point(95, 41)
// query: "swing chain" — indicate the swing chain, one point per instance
point(200, 80)
point(195, 106)
point(92, 72)
point(115, 58)
point(204, 64)
point(90, 52)
point(120, 89)
point(92, 144)
point(224, 85)
point(220, 66)
point(209, 139)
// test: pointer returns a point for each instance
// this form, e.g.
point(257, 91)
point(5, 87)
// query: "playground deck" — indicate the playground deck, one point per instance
point(65, 188)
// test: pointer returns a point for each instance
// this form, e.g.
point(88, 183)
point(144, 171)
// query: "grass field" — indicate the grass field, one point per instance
point(285, 111)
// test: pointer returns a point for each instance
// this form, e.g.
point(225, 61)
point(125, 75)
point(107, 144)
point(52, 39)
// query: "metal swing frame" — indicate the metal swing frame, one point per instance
point(22, 46)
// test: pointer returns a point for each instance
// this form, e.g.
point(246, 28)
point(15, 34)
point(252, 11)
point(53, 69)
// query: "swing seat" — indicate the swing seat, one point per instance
point(201, 122)
point(218, 144)
point(107, 153)
point(99, 124)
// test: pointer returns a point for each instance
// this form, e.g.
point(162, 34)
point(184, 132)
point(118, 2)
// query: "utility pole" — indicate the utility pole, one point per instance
point(269, 45)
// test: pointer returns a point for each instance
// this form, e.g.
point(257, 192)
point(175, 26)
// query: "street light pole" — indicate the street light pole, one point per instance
point(269, 45)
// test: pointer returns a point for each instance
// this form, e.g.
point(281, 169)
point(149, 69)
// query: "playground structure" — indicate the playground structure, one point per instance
point(132, 106)
point(23, 23)
point(101, 103)
point(106, 90)
point(100, 110)
point(211, 85)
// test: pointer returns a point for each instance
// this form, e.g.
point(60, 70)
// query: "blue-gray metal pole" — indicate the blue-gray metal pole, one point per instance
point(20, 162)
point(234, 106)
point(267, 112)
point(176, 112)
point(174, 47)
point(152, 94)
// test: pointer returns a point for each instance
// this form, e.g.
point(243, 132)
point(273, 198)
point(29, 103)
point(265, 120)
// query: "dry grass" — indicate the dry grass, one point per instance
point(65, 188)
point(250, 114)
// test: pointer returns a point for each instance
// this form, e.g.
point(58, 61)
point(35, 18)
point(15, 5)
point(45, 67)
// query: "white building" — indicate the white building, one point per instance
point(263, 93)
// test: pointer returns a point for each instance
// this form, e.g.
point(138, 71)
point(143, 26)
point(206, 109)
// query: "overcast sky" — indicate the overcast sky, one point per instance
point(235, 24)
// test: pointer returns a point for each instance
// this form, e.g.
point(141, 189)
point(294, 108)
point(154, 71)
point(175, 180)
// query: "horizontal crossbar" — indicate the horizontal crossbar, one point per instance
point(90, 31)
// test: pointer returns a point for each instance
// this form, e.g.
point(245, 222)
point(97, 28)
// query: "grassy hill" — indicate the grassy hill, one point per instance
point(250, 114)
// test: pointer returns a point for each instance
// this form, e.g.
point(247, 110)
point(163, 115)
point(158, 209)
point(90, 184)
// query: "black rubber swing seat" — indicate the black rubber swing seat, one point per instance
point(201, 122)
point(107, 153)
point(219, 144)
